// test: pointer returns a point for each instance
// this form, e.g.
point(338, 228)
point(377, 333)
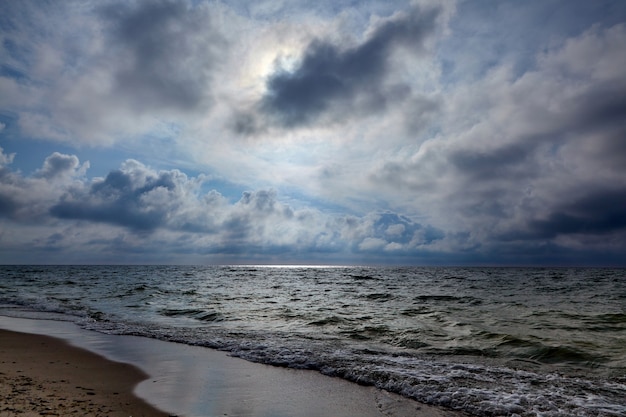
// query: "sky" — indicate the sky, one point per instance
point(477, 132)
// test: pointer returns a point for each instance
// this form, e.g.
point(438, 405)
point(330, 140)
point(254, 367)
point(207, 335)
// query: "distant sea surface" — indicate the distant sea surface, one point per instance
point(487, 341)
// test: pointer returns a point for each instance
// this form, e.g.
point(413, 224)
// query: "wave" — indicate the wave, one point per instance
point(197, 314)
point(380, 297)
point(326, 321)
point(563, 354)
point(447, 299)
point(364, 278)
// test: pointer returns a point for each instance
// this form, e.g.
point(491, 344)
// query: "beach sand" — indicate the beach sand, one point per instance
point(41, 375)
point(44, 376)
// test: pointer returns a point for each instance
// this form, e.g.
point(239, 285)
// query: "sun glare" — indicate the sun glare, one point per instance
point(262, 64)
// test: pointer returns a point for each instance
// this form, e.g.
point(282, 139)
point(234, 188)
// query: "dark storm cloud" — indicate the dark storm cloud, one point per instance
point(604, 107)
point(599, 212)
point(126, 214)
point(8, 206)
point(119, 200)
point(330, 76)
point(134, 197)
point(484, 165)
point(602, 113)
point(163, 52)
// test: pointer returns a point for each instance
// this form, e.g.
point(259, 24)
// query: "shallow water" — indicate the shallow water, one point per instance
point(198, 382)
point(488, 341)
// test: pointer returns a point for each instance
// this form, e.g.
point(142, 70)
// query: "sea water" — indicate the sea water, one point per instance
point(487, 341)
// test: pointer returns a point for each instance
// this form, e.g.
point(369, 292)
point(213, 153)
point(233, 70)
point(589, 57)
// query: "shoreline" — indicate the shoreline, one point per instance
point(42, 375)
point(185, 380)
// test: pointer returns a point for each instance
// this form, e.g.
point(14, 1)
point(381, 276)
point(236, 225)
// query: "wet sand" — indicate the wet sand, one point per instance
point(44, 376)
point(41, 375)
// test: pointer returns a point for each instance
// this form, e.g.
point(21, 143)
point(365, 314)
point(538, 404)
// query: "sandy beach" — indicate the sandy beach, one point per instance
point(61, 375)
point(44, 376)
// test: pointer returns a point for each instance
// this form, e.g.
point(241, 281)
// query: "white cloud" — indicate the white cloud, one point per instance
point(372, 244)
point(395, 230)
point(146, 206)
point(5, 159)
point(58, 165)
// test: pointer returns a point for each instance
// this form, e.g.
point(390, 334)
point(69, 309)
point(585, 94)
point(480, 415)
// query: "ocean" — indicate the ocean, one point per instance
point(487, 341)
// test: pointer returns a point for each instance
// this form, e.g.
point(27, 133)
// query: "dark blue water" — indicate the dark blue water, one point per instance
point(488, 341)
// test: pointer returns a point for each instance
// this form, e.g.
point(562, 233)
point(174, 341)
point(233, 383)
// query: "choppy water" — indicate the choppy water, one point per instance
point(488, 341)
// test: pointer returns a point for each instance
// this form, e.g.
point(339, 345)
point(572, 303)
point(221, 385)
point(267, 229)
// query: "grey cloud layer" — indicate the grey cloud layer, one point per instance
point(97, 73)
point(451, 137)
point(164, 52)
point(538, 160)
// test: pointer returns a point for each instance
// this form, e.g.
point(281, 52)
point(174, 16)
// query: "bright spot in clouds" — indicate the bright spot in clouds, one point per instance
point(277, 132)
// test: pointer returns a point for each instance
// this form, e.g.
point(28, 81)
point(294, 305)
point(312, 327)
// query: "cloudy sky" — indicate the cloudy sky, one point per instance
point(331, 132)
